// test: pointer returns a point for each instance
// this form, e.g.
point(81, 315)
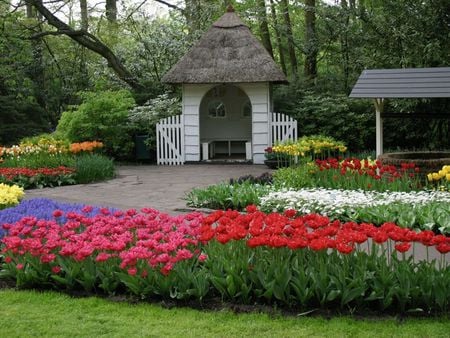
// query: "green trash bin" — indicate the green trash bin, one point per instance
point(142, 152)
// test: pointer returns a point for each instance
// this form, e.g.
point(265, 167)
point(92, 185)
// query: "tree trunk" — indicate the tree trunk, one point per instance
point(89, 41)
point(344, 44)
point(264, 27)
point(111, 11)
point(84, 15)
point(191, 13)
point(278, 36)
point(290, 38)
point(311, 48)
point(37, 69)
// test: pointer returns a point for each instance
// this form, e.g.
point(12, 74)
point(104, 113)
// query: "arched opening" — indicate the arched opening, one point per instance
point(226, 124)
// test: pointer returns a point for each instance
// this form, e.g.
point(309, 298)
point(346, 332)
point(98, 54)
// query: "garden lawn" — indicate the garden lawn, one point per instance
point(32, 314)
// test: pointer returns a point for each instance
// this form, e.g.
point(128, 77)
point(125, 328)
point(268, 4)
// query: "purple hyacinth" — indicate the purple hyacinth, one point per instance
point(42, 208)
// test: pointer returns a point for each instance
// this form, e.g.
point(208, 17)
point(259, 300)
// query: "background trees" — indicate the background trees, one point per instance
point(51, 51)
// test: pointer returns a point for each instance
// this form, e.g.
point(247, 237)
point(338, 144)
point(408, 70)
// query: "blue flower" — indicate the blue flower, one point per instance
point(42, 208)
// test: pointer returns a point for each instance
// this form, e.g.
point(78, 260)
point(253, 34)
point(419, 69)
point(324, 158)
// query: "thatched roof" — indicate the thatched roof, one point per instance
point(227, 53)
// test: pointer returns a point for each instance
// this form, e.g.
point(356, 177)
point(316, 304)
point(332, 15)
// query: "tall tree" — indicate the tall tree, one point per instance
point(111, 11)
point(311, 47)
point(278, 36)
point(344, 41)
point(290, 38)
point(264, 26)
point(84, 15)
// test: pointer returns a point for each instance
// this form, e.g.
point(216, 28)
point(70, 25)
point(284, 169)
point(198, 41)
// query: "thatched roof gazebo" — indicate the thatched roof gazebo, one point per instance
point(227, 53)
point(226, 80)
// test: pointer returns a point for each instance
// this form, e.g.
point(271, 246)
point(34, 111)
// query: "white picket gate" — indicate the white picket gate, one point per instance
point(283, 128)
point(170, 140)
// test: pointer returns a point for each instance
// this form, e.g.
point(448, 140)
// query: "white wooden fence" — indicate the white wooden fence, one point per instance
point(170, 140)
point(170, 136)
point(283, 128)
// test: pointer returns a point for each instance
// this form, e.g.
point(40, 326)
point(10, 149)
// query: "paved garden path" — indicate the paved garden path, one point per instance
point(159, 187)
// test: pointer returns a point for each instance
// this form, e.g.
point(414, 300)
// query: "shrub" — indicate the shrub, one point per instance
point(92, 168)
point(101, 116)
point(20, 117)
point(351, 121)
point(143, 119)
point(265, 178)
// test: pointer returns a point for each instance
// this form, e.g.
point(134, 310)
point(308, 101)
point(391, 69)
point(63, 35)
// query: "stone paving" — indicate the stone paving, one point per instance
point(159, 187)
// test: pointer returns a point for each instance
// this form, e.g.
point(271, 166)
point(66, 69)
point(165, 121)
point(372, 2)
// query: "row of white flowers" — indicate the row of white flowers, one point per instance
point(339, 202)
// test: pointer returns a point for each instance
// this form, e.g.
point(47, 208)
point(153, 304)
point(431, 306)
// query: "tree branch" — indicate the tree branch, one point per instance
point(58, 32)
point(170, 5)
point(89, 41)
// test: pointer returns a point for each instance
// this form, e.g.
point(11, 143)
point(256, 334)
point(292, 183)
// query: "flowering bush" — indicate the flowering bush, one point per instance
point(10, 195)
point(441, 179)
point(42, 177)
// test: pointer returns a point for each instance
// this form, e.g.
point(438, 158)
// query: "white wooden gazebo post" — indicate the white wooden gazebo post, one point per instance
point(379, 106)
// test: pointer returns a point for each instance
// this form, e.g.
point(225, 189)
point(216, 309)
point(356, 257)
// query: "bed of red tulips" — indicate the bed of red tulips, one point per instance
point(300, 262)
point(311, 231)
point(40, 177)
point(353, 173)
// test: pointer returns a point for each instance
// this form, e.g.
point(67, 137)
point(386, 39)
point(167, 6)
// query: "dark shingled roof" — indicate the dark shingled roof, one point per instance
point(403, 83)
point(227, 53)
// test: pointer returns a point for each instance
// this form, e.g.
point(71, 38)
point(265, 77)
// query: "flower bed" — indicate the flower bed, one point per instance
point(299, 262)
point(37, 178)
point(9, 196)
point(440, 180)
point(426, 210)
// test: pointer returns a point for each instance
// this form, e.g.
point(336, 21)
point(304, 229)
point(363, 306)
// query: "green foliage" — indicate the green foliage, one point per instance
point(428, 216)
point(102, 117)
point(227, 196)
point(20, 117)
point(294, 177)
point(143, 119)
point(348, 120)
point(41, 160)
point(93, 168)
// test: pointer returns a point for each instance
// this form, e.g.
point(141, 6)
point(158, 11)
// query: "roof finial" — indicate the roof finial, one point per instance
point(230, 8)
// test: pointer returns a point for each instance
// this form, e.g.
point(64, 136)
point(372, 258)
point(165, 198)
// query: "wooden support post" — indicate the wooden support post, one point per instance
point(379, 106)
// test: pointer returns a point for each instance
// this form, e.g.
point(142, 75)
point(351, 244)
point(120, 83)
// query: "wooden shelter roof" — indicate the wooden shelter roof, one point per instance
point(403, 83)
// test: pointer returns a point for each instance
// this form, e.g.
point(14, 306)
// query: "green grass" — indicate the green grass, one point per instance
point(49, 314)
